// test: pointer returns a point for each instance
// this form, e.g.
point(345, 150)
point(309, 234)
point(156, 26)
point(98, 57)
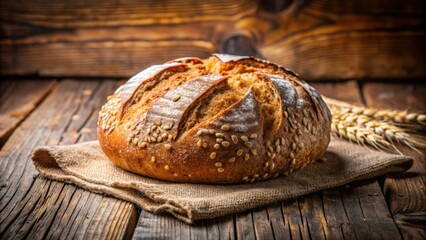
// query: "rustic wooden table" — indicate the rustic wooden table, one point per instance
point(64, 111)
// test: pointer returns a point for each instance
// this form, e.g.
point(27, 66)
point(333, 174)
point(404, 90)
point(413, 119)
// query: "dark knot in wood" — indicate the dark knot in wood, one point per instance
point(239, 45)
point(275, 6)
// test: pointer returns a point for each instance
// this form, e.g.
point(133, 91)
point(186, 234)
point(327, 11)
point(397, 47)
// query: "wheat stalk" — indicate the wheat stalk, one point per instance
point(363, 130)
point(348, 130)
point(402, 118)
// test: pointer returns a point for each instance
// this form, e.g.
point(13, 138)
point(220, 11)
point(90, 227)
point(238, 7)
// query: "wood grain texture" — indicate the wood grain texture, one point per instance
point(319, 39)
point(406, 192)
point(34, 207)
point(17, 100)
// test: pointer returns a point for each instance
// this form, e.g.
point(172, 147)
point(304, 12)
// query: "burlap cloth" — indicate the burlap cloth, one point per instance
point(87, 166)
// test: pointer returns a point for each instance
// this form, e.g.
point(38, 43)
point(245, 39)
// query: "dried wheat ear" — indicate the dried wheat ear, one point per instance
point(382, 129)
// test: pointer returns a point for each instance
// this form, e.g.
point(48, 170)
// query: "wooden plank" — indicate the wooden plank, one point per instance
point(279, 225)
point(405, 193)
point(163, 226)
point(34, 207)
point(319, 39)
point(347, 91)
point(17, 100)
point(244, 225)
point(408, 96)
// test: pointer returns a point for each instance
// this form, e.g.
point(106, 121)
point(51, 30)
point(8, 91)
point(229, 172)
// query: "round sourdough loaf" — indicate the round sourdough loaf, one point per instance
point(225, 119)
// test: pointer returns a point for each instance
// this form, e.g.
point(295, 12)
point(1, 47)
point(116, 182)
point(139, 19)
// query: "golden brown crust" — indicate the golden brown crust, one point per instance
point(226, 119)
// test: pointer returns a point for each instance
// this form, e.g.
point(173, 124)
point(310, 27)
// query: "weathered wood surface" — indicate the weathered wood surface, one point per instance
point(36, 208)
point(405, 193)
point(319, 39)
point(17, 100)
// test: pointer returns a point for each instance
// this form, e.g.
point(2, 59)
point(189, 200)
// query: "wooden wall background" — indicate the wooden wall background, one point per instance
point(319, 39)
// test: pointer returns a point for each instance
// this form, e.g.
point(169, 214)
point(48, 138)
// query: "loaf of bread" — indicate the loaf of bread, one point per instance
point(225, 119)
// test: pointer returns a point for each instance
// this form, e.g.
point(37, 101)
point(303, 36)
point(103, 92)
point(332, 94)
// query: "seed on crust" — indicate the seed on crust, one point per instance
point(213, 155)
point(292, 155)
point(245, 178)
point(248, 144)
point(155, 135)
point(220, 170)
point(225, 127)
point(199, 143)
point(216, 146)
point(142, 144)
point(232, 159)
point(244, 138)
point(266, 164)
point(152, 159)
point(219, 140)
point(256, 175)
point(300, 145)
point(167, 146)
point(159, 139)
point(282, 141)
point(253, 151)
point(164, 135)
point(305, 113)
point(153, 127)
point(272, 166)
point(240, 152)
point(200, 132)
point(220, 135)
point(293, 161)
point(246, 156)
point(234, 139)
point(157, 122)
point(265, 176)
point(205, 145)
point(168, 127)
point(293, 146)
point(277, 143)
point(167, 167)
point(225, 143)
point(176, 98)
point(175, 174)
point(278, 148)
point(218, 164)
point(268, 143)
point(253, 136)
point(211, 131)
